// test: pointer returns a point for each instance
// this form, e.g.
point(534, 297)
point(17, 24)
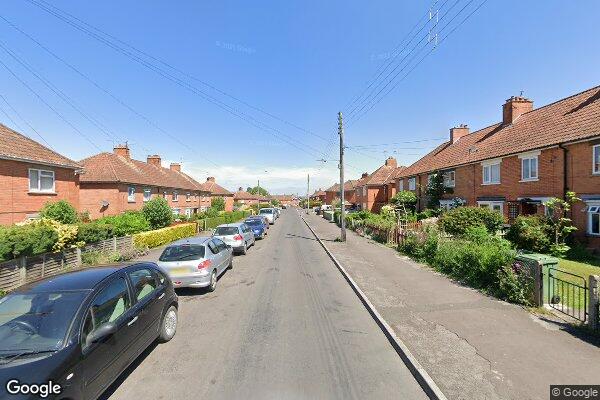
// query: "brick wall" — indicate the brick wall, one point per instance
point(16, 200)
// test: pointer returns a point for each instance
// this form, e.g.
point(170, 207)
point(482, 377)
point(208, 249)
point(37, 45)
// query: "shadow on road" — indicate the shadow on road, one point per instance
point(290, 236)
point(580, 332)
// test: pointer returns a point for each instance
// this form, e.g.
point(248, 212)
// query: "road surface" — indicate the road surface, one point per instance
point(283, 324)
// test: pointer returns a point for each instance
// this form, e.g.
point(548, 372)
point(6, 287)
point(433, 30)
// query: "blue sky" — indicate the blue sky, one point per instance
point(301, 61)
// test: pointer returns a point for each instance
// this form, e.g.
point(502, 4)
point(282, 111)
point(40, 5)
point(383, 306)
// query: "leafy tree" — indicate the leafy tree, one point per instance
point(61, 211)
point(158, 213)
point(218, 203)
point(275, 202)
point(257, 190)
point(436, 190)
point(561, 226)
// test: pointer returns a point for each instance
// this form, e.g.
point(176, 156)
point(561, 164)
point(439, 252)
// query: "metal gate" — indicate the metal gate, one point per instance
point(568, 293)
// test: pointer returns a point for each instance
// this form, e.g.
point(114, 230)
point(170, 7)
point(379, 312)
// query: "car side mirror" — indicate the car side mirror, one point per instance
point(104, 331)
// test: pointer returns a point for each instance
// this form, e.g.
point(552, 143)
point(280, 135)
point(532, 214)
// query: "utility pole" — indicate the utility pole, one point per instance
point(343, 205)
point(307, 193)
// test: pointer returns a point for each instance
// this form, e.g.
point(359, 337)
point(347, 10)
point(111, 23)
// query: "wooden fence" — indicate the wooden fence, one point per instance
point(22, 270)
point(394, 235)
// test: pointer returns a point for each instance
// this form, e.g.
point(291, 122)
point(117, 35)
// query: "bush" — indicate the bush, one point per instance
point(163, 236)
point(158, 213)
point(457, 221)
point(218, 203)
point(26, 240)
point(515, 284)
point(128, 223)
point(94, 232)
point(530, 233)
point(61, 211)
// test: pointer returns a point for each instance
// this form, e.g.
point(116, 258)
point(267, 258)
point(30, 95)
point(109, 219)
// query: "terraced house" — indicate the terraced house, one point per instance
point(114, 182)
point(375, 190)
point(332, 194)
point(517, 164)
point(31, 175)
point(216, 190)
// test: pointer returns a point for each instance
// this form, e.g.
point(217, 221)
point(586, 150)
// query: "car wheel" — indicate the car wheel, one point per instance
point(244, 249)
point(230, 266)
point(213, 282)
point(168, 325)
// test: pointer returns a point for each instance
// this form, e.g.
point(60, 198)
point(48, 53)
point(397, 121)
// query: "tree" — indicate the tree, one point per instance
point(158, 213)
point(218, 203)
point(436, 190)
point(561, 226)
point(257, 191)
point(61, 211)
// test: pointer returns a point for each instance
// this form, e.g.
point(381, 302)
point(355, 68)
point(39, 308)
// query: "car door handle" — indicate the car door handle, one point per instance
point(161, 296)
point(132, 321)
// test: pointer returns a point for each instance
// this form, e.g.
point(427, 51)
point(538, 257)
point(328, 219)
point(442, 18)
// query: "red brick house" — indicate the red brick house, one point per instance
point(332, 194)
point(217, 190)
point(288, 200)
point(114, 182)
point(375, 190)
point(318, 195)
point(515, 165)
point(243, 197)
point(31, 175)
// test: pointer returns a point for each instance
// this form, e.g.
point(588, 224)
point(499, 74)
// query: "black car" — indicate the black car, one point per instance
point(76, 332)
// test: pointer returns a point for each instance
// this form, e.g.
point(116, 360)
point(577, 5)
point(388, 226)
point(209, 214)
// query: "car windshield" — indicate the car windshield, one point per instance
point(182, 252)
point(254, 222)
point(266, 211)
point(36, 322)
point(226, 231)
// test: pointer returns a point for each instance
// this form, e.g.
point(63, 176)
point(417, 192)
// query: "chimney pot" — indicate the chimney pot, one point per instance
point(391, 162)
point(122, 150)
point(175, 167)
point(154, 160)
point(210, 179)
point(457, 132)
point(514, 107)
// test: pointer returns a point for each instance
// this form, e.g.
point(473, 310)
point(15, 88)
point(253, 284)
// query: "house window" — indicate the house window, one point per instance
point(364, 190)
point(492, 205)
point(447, 204)
point(412, 183)
point(449, 179)
point(188, 212)
point(491, 173)
point(188, 197)
point(594, 220)
point(175, 195)
point(147, 194)
point(176, 211)
point(41, 181)
point(401, 184)
point(596, 161)
point(529, 169)
point(131, 194)
point(165, 194)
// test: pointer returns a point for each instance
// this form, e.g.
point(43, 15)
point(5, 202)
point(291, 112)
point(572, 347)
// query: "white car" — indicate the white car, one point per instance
point(270, 213)
point(239, 236)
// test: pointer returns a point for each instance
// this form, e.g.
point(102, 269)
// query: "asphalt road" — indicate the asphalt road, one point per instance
point(283, 324)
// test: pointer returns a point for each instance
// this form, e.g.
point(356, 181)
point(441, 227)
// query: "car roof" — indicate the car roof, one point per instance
point(84, 279)
point(235, 224)
point(191, 240)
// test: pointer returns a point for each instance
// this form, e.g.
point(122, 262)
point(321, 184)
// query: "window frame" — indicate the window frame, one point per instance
point(596, 211)
point(39, 189)
point(175, 195)
point(491, 203)
point(447, 181)
point(412, 183)
point(401, 185)
point(149, 191)
point(528, 160)
point(595, 148)
point(489, 165)
point(131, 196)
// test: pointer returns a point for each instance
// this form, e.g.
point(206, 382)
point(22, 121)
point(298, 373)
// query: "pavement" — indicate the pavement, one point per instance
point(472, 345)
point(282, 324)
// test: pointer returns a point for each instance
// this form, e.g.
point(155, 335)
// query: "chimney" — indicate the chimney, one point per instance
point(154, 160)
point(514, 108)
point(122, 150)
point(210, 179)
point(391, 162)
point(175, 167)
point(241, 189)
point(364, 175)
point(457, 132)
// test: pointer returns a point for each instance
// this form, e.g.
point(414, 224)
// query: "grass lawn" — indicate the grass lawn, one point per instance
point(571, 296)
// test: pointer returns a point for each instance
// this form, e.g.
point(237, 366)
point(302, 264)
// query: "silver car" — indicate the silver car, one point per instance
point(239, 236)
point(269, 213)
point(196, 262)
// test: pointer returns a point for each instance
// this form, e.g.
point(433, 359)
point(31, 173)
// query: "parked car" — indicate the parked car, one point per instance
point(196, 262)
point(238, 235)
point(81, 329)
point(264, 218)
point(258, 226)
point(269, 213)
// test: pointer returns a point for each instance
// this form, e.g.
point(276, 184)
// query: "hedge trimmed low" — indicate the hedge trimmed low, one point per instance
point(163, 236)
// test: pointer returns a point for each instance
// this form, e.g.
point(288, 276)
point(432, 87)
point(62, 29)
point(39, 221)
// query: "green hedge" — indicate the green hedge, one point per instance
point(458, 220)
point(163, 236)
point(225, 218)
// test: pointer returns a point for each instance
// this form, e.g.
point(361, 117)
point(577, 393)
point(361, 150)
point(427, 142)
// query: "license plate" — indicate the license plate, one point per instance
point(178, 271)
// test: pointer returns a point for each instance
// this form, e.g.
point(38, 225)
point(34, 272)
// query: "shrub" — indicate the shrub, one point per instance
point(530, 233)
point(158, 213)
point(218, 203)
point(163, 236)
point(94, 232)
point(26, 240)
point(97, 257)
point(128, 223)
point(457, 221)
point(61, 211)
point(428, 213)
point(515, 284)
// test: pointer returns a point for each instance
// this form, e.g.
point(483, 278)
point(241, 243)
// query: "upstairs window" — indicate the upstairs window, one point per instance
point(401, 185)
point(188, 197)
point(175, 195)
point(596, 160)
point(147, 194)
point(41, 181)
point(491, 173)
point(529, 168)
point(131, 194)
point(412, 183)
point(449, 179)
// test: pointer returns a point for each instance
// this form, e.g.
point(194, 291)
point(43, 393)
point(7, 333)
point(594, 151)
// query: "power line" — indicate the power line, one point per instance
point(24, 120)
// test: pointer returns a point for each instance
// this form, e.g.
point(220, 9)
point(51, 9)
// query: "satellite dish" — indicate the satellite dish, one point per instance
point(104, 203)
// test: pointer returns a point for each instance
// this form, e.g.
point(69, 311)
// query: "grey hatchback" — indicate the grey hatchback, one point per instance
point(238, 235)
point(196, 262)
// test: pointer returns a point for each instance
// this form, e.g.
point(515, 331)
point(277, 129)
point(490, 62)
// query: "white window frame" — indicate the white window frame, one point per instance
point(147, 191)
point(595, 149)
point(593, 208)
point(401, 185)
point(175, 195)
point(412, 183)
point(489, 165)
point(188, 212)
point(188, 196)
point(447, 204)
point(176, 211)
point(527, 158)
point(447, 182)
point(364, 190)
point(131, 194)
point(491, 205)
point(38, 188)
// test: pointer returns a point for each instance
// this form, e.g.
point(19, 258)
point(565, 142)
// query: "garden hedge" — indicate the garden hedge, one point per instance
point(163, 236)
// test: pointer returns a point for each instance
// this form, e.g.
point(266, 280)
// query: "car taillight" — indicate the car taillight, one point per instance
point(237, 237)
point(204, 264)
